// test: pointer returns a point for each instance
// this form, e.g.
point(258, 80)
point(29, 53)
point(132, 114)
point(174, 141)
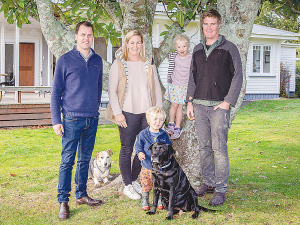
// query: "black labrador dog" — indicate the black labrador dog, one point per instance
point(170, 180)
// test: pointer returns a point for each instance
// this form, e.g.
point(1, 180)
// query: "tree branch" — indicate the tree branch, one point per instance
point(111, 8)
point(178, 6)
point(167, 12)
point(59, 38)
point(161, 53)
point(292, 7)
point(196, 8)
point(78, 3)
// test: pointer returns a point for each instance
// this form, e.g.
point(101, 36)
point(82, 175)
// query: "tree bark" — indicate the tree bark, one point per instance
point(237, 22)
point(58, 37)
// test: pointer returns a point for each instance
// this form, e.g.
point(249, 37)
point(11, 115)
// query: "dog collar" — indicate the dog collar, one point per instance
point(165, 166)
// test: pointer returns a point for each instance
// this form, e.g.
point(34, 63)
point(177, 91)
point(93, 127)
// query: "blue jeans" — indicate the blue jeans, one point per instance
point(212, 128)
point(81, 133)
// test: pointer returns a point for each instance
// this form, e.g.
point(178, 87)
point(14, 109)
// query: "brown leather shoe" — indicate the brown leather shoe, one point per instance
point(204, 189)
point(89, 201)
point(64, 211)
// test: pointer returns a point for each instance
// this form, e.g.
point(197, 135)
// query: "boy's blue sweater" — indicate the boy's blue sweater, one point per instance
point(144, 140)
point(77, 86)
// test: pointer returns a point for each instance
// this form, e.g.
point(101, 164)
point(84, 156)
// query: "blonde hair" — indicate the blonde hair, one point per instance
point(155, 111)
point(180, 37)
point(129, 35)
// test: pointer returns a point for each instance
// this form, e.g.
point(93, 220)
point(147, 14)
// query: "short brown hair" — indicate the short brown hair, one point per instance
point(84, 23)
point(212, 13)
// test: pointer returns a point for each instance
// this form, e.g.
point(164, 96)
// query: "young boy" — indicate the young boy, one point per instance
point(153, 133)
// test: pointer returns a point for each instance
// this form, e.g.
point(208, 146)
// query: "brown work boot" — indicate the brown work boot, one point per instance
point(64, 211)
point(218, 199)
point(89, 201)
point(204, 189)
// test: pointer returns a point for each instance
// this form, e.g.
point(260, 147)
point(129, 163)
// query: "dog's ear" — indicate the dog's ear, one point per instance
point(109, 151)
point(171, 151)
point(98, 153)
point(150, 147)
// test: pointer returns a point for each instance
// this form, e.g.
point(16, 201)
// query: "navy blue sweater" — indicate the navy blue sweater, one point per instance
point(144, 140)
point(77, 86)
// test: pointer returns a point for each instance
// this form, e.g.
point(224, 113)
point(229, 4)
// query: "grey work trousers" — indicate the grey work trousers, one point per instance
point(212, 127)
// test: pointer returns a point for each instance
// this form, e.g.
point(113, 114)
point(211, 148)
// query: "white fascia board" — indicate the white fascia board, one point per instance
point(274, 37)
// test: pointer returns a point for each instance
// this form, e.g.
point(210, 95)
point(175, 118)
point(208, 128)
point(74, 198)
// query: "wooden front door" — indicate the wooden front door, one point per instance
point(26, 64)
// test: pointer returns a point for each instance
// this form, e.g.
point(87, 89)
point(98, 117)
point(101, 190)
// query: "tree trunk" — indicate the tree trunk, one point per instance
point(58, 37)
point(237, 22)
point(139, 15)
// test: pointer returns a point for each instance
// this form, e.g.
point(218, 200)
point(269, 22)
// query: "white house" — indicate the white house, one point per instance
point(268, 48)
point(31, 63)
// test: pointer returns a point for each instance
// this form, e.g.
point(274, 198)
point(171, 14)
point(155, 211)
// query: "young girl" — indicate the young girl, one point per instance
point(178, 77)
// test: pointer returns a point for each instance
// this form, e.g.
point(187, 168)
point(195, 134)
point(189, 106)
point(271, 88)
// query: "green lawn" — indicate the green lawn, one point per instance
point(264, 178)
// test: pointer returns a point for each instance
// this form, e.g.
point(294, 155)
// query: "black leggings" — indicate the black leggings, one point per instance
point(135, 124)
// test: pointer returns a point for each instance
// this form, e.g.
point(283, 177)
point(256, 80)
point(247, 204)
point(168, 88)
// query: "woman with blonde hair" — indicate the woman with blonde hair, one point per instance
point(133, 88)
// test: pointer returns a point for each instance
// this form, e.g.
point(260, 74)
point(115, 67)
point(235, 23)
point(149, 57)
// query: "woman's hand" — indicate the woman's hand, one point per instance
point(121, 121)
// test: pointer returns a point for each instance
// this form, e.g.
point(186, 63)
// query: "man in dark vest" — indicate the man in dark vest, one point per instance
point(214, 85)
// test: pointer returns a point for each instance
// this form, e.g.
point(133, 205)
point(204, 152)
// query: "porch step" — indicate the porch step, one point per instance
point(19, 115)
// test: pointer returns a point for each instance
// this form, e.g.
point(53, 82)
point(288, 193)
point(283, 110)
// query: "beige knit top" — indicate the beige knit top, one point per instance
point(137, 95)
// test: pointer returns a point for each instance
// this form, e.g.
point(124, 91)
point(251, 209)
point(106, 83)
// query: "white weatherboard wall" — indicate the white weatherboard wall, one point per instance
point(259, 84)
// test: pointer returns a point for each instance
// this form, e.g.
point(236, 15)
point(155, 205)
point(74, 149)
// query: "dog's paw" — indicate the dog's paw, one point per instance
point(97, 185)
point(106, 183)
point(195, 215)
point(151, 212)
point(169, 217)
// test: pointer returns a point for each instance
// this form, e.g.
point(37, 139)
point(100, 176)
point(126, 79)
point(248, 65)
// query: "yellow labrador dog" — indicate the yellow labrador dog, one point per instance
point(100, 166)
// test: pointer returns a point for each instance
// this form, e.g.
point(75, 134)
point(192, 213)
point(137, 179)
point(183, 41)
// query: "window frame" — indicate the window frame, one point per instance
point(271, 60)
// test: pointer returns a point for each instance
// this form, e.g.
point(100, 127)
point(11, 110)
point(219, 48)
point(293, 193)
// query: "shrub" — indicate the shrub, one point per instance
point(284, 81)
point(297, 89)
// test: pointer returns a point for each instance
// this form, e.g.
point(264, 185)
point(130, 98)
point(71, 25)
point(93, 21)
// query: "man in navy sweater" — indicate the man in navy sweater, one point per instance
point(76, 93)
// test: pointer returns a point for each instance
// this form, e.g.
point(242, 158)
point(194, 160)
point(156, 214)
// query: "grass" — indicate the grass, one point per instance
point(264, 178)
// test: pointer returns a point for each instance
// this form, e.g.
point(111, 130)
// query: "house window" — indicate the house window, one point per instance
point(262, 59)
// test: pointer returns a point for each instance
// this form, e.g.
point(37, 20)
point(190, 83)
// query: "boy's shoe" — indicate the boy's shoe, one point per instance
point(137, 187)
point(177, 132)
point(145, 201)
point(159, 204)
point(170, 128)
point(131, 193)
